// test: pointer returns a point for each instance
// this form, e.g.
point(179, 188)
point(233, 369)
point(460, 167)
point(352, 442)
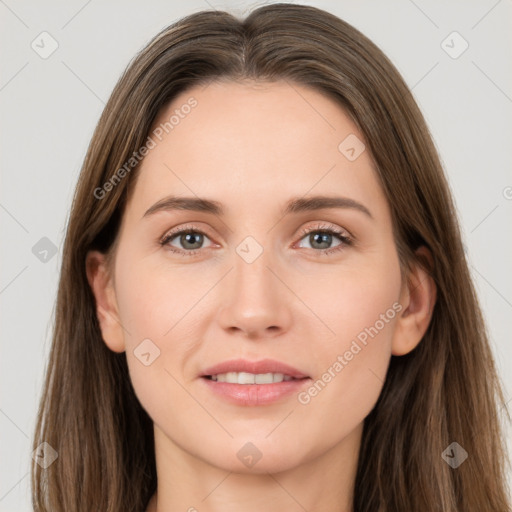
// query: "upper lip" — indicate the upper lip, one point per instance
point(261, 366)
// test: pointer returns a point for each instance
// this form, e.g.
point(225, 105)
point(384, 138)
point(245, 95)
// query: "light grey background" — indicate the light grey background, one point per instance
point(49, 108)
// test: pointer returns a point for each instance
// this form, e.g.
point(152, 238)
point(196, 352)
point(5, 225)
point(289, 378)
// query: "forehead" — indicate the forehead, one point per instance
point(241, 142)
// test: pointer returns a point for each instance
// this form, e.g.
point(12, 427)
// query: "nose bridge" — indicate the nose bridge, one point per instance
point(254, 283)
point(255, 300)
point(251, 272)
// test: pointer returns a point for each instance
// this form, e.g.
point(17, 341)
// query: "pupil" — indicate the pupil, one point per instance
point(324, 238)
point(188, 238)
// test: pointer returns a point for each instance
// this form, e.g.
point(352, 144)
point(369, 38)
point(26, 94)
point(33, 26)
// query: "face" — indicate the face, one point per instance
point(309, 289)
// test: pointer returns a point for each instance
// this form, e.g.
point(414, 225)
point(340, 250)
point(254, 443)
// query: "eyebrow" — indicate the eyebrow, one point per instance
point(294, 205)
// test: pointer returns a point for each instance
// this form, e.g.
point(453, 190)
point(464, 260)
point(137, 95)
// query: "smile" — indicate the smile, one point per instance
point(250, 378)
point(253, 383)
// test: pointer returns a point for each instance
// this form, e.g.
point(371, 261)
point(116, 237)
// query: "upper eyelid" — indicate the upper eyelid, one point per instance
point(180, 229)
point(323, 226)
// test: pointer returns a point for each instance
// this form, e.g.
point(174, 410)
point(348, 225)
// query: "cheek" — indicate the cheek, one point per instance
point(347, 301)
point(153, 300)
point(156, 348)
point(360, 307)
point(158, 308)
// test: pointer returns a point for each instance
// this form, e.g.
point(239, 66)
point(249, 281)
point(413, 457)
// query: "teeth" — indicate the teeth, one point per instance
point(250, 378)
point(242, 377)
point(266, 378)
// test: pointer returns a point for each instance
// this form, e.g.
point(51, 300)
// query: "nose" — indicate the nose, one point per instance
point(255, 301)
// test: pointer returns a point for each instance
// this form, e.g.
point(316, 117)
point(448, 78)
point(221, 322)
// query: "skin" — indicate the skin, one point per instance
point(252, 147)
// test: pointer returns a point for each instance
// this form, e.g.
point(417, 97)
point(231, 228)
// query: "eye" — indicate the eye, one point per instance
point(190, 238)
point(321, 237)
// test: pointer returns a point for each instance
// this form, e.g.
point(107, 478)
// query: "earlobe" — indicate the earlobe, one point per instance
point(102, 287)
point(418, 298)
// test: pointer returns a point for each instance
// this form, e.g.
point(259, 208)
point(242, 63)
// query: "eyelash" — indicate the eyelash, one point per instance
point(346, 240)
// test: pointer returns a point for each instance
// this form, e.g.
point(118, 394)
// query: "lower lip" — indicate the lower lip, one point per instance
point(255, 394)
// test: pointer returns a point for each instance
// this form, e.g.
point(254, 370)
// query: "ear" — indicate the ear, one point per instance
point(418, 297)
point(102, 287)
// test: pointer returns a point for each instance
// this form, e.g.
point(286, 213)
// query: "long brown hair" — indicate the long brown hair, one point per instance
point(446, 390)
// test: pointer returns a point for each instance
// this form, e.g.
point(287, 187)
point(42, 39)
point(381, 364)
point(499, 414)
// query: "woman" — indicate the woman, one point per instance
point(254, 368)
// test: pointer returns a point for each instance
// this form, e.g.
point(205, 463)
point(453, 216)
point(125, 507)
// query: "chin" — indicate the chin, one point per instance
point(257, 457)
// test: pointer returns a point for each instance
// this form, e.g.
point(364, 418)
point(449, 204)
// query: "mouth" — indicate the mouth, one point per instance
point(251, 383)
point(250, 378)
